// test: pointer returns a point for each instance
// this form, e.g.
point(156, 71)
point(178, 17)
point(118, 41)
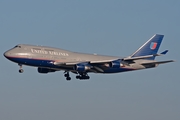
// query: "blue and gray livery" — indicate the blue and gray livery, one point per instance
point(49, 59)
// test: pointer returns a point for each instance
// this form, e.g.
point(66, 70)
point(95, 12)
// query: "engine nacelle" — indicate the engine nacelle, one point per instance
point(45, 70)
point(115, 64)
point(81, 68)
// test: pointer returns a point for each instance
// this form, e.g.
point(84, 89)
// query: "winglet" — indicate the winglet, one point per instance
point(164, 52)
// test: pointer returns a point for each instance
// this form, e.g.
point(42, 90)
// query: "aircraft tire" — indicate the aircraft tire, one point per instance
point(77, 77)
point(21, 71)
point(66, 75)
point(84, 77)
point(68, 78)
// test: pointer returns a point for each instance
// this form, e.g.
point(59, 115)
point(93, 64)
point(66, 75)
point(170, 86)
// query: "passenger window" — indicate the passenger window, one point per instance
point(36, 49)
point(48, 50)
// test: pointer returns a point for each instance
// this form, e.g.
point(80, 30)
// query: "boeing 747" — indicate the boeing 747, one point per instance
point(49, 59)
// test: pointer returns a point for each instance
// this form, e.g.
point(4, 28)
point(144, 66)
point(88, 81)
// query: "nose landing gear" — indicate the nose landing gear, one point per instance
point(20, 70)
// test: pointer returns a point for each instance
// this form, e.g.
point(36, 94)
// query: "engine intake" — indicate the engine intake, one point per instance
point(45, 70)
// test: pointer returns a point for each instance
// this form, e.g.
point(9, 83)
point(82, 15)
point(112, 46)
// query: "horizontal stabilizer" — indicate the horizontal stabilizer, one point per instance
point(145, 57)
point(163, 53)
point(157, 62)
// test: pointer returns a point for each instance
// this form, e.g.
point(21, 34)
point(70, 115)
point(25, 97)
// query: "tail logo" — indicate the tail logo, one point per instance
point(153, 45)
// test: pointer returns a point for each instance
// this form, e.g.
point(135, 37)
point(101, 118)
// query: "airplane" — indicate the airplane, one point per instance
point(50, 59)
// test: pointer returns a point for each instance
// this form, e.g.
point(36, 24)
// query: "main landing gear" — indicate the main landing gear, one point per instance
point(66, 74)
point(20, 70)
point(82, 76)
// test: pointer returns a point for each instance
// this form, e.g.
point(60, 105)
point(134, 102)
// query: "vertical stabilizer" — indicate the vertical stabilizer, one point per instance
point(151, 47)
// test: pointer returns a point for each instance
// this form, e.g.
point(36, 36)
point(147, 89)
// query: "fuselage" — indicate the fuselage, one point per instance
point(44, 57)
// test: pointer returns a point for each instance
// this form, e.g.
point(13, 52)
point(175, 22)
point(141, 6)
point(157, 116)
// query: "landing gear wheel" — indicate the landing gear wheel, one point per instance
point(78, 77)
point(66, 74)
point(21, 70)
point(68, 78)
point(82, 76)
point(87, 77)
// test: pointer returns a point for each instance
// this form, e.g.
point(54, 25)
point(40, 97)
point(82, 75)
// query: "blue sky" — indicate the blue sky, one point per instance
point(110, 27)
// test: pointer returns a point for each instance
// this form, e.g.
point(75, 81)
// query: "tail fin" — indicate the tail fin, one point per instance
point(151, 47)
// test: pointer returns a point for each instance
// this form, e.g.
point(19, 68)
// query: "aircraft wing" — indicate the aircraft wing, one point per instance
point(157, 62)
point(95, 66)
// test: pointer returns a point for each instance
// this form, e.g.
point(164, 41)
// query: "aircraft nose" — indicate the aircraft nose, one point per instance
point(6, 54)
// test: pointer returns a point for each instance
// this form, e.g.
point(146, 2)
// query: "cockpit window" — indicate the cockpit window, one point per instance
point(17, 46)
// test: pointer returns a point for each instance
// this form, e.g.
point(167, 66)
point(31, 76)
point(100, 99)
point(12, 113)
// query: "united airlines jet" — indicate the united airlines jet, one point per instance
point(49, 59)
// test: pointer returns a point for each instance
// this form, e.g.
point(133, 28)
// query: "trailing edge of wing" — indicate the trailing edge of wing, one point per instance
point(158, 62)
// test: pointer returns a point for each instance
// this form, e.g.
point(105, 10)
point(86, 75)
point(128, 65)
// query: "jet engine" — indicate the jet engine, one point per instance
point(115, 64)
point(81, 68)
point(45, 70)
